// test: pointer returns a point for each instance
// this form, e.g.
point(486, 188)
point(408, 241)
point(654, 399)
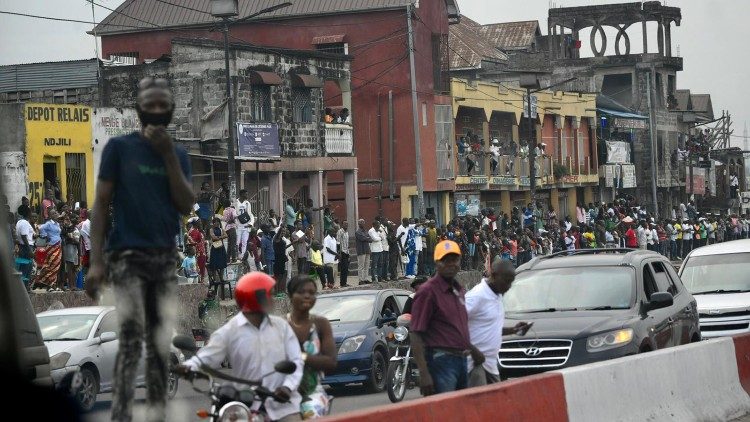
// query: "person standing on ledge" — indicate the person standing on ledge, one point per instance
point(146, 179)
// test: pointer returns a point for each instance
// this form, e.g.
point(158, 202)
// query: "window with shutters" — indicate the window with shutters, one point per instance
point(302, 105)
point(260, 102)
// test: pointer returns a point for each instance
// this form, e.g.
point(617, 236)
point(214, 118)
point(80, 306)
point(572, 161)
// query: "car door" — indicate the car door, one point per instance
point(659, 321)
point(686, 309)
point(106, 353)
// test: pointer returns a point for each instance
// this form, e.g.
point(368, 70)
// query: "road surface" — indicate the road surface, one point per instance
point(182, 408)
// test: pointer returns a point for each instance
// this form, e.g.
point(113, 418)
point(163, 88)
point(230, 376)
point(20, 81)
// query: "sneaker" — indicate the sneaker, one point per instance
point(411, 277)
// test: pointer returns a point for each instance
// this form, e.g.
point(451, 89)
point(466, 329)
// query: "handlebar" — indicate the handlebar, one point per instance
point(208, 373)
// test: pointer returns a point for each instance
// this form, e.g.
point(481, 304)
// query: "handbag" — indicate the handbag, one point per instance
point(217, 243)
point(243, 218)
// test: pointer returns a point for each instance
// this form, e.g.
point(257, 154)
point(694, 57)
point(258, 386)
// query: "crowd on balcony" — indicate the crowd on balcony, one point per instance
point(472, 150)
point(342, 118)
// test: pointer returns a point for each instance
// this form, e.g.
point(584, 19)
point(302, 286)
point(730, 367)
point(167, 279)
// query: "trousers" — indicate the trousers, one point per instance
point(144, 283)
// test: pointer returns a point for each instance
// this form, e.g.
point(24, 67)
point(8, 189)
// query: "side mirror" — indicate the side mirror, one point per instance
point(107, 337)
point(285, 367)
point(659, 300)
point(185, 343)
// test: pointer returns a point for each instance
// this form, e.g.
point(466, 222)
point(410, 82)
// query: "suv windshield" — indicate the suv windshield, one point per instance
point(66, 327)
point(350, 308)
point(579, 288)
point(727, 273)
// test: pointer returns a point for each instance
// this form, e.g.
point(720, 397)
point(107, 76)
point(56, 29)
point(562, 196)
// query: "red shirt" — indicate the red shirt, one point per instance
point(439, 314)
point(631, 240)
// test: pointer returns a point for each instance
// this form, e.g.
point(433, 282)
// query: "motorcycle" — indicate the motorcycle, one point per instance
point(402, 369)
point(229, 402)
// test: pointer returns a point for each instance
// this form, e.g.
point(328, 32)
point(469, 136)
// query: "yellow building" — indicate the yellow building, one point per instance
point(58, 146)
point(564, 126)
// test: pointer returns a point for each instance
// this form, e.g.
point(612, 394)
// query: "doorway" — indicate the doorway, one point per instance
point(75, 176)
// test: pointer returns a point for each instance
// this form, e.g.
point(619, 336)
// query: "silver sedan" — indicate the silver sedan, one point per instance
point(82, 344)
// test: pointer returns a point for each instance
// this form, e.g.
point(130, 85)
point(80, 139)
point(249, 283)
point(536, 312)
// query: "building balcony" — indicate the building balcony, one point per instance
point(339, 139)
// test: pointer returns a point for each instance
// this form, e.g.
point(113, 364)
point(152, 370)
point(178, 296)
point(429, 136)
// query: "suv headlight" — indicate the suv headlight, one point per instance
point(59, 360)
point(351, 344)
point(234, 411)
point(400, 333)
point(609, 340)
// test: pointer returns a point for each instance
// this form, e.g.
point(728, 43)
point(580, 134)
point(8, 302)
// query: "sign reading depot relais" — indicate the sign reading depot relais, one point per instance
point(58, 149)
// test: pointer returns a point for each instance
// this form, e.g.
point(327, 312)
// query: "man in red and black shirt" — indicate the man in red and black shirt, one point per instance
point(440, 326)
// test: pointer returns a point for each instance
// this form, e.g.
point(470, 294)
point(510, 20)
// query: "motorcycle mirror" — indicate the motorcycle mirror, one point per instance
point(184, 342)
point(285, 367)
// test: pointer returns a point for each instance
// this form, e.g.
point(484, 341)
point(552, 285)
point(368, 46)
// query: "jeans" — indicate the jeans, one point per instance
point(448, 371)
point(429, 262)
point(376, 265)
point(384, 264)
point(343, 269)
point(411, 266)
point(328, 272)
point(393, 260)
point(144, 283)
point(269, 267)
point(673, 249)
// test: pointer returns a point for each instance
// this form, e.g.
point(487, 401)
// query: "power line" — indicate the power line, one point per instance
point(184, 7)
point(123, 14)
point(59, 19)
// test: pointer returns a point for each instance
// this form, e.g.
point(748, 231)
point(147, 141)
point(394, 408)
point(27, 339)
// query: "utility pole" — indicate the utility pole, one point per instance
point(415, 114)
point(652, 133)
point(230, 108)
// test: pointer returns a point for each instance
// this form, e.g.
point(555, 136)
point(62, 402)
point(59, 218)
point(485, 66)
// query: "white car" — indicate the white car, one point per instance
point(82, 344)
point(718, 276)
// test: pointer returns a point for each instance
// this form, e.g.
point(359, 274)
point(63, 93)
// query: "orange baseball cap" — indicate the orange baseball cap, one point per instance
point(446, 247)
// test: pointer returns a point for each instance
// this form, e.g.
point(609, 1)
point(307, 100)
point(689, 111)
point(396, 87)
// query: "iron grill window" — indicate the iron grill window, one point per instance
point(302, 105)
point(335, 48)
point(260, 103)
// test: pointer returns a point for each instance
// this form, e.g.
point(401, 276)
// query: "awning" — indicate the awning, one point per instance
point(306, 81)
point(621, 114)
point(264, 78)
point(328, 39)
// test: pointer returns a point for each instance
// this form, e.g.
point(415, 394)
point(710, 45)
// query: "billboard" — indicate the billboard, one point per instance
point(467, 204)
point(258, 140)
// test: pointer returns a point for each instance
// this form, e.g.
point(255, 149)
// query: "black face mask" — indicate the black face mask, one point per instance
point(156, 119)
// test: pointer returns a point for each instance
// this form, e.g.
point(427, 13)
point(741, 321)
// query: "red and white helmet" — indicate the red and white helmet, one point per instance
point(253, 291)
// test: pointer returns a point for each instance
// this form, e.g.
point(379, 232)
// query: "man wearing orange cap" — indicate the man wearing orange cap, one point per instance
point(440, 326)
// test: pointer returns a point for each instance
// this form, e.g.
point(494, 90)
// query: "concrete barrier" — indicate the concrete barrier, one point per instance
point(706, 381)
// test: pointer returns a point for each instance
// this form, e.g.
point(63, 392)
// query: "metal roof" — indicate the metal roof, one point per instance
point(512, 35)
point(140, 15)
point(683, 99)
point(702, 103)
point(468, 48)
point(49, 75)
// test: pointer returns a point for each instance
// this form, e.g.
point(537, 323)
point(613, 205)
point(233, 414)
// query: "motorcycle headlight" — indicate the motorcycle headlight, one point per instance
point(351, 344)
point(59, 360)
point(609, 340)
point(235, 412)
point(400, 333)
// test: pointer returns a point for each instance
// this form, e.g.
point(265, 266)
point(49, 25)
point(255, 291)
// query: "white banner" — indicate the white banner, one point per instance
point(618, 152)
point(110, 122)
point(628, 176)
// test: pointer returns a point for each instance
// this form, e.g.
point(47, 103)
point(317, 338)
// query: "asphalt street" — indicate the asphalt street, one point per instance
point(182, 408)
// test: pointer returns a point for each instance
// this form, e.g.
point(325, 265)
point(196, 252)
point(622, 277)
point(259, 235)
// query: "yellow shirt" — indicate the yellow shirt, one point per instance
point(316, 257)
point(678, 227)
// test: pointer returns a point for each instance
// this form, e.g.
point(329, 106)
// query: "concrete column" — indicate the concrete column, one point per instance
point(316, 194)
point(645, 36)
point(505, 205)
point(562, 42)
point(487, 140)
point(660, 38)
point(352, 201)
point(572, 201)
point(554, 201)
point(242, 180)
point(276, 192)
point(588, 195)
point(346, 96)
point(668, 39)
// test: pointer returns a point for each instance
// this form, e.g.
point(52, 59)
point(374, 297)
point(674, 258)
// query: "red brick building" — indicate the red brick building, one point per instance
point(374, 35)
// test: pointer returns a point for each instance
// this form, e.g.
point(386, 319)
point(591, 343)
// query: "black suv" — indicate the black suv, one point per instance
point(592, 305)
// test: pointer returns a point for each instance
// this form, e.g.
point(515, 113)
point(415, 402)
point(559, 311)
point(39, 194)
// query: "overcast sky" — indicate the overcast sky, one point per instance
point(712, 39)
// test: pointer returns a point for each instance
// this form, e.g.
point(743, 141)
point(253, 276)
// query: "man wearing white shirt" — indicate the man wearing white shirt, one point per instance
point(484, 306)
point(330, 257)
point(243, 229)
point(25, 240)
point(254, 341)
point(402, 232)
point(386, 250)
point(376, 252)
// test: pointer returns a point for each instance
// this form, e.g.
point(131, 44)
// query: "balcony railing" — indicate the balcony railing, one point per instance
point(478, 158)
point(339, 139)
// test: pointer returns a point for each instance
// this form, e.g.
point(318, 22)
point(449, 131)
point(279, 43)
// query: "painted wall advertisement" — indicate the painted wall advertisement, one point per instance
point(58, 148)
point(110, 122)
point(467, 204)
point(258, 140)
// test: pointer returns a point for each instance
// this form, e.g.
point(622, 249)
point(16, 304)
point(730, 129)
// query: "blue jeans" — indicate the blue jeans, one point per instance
point(448, 371)
point(376, 265)
point(673, 249)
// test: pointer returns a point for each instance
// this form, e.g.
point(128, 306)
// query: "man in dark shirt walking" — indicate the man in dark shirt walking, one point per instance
point(145, 178)
point(440, 326)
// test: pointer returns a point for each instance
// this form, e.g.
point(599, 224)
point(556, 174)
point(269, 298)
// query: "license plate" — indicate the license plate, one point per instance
point(199, 343)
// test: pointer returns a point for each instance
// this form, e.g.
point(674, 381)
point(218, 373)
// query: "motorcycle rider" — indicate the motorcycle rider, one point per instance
point(254, 341)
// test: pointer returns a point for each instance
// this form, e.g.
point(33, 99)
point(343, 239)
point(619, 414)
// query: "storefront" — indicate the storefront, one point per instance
point(58, 150)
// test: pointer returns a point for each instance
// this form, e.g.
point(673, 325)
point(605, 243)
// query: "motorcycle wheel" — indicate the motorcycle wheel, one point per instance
point(396, 382)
